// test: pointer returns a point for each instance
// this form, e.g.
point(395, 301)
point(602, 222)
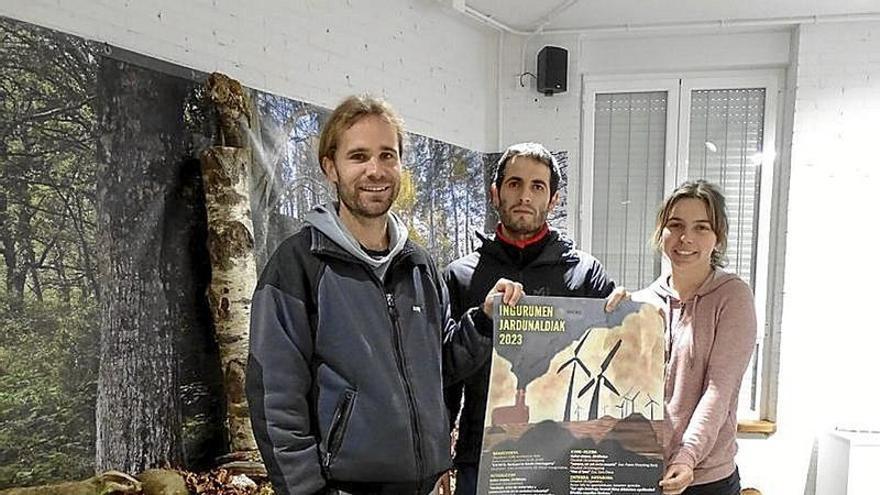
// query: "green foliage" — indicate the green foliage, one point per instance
point(48, 294)
point(47, 163)
point(48, 373)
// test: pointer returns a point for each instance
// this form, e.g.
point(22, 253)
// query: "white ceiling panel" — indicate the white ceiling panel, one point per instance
point(527, 15)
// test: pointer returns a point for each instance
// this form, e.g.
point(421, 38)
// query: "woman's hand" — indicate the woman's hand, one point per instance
point(614, 299)
point(677, 478)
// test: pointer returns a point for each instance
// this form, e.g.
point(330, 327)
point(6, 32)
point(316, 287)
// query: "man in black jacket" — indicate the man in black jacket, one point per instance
point(524, 248)
point(351, 338)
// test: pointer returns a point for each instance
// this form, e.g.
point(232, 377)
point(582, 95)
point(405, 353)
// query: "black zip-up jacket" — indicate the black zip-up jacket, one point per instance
point(345, 371)
point(551, 267)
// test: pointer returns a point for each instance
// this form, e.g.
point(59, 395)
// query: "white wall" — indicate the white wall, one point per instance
point(829, 360)
point(530, 116)
point(436, 67)
point(555, 120)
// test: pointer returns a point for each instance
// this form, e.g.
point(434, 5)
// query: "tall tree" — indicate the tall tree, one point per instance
point(140, 151)
point(490, 163)
point(286, 180)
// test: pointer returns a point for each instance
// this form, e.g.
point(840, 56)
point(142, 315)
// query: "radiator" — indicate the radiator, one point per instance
point(849, 463)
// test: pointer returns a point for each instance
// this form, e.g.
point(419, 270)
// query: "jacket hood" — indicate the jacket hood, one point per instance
point(718, 278)
point(326, 219)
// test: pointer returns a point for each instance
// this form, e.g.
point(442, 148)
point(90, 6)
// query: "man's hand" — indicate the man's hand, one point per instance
point(510, 292)
point(614, 299)
point(677, 478)
point(443, 486)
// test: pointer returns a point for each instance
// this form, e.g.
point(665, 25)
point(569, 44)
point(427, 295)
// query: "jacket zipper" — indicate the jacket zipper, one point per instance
point(400, 359)
point(398, 350)
point(338, 426)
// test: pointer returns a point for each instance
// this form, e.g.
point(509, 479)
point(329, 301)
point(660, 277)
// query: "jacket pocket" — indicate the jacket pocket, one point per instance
point(418, 289)
point(338, 425)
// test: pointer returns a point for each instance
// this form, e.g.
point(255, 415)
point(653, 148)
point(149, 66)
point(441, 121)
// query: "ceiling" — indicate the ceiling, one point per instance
point(528, 15)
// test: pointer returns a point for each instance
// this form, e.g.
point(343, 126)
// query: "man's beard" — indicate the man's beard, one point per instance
point(359, 207)
point(527, 226)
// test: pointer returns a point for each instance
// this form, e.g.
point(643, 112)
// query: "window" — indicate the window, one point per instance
point(644, 137)
point(628, 157)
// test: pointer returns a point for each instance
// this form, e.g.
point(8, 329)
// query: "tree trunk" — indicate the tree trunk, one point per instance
point(88, 262)
point(456, 249)
point(30, 266)
point(225, 173)
point(8, 239)
point(139, 153)
point(468, 237)
point(233, 278)
point(489, 161)
point(22, 243)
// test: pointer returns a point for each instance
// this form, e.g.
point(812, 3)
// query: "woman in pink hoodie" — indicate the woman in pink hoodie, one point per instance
point(710, 334)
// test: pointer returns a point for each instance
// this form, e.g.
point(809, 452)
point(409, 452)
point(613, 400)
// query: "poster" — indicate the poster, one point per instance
point(575, 399)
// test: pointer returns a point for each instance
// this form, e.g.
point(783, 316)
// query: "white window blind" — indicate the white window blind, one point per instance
point(644, 137)
point(726, 138)
point(629, 151)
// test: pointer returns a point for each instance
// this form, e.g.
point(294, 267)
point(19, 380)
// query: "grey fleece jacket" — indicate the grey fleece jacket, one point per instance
point(326, 219)
point(346, 369)
point(709, 341)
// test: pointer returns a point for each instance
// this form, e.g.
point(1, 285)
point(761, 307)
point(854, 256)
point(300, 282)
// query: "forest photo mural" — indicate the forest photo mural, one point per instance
point(108, 358)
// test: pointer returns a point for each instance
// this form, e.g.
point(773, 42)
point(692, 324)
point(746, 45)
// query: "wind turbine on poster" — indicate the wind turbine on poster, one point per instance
point(632, 401)
point(650, 405)
point(575, 363)
point(599, 381)
point(623, 402)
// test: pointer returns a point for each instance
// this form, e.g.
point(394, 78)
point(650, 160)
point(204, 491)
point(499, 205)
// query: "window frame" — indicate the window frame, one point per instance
point(773, 194)
point(582, 205)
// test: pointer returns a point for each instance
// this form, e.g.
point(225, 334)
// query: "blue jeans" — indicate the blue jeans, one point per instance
point(726, 486)
point(466, 479)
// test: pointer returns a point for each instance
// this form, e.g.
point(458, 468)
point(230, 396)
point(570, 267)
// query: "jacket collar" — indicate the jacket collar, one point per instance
point(522, 244)
point(322, 245)
point(558, 249)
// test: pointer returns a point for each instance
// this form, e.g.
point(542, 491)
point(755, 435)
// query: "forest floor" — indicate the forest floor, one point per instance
point(221, 482)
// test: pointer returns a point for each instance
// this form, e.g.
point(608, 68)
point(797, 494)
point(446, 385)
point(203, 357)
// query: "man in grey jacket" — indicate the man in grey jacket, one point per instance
point(351, 338)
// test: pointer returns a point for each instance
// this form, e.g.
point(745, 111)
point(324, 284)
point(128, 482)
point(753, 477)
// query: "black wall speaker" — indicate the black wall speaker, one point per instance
point(552, 70)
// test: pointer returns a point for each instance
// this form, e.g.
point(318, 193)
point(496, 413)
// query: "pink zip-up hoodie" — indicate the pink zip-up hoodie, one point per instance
point(709, 341)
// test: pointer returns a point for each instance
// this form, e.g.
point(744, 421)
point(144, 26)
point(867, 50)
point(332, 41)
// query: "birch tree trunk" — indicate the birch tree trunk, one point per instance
point(225, 172)
point(233, 278)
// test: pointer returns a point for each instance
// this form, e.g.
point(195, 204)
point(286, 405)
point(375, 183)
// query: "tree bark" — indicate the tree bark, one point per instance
point(233, 278)
point(225, 172)
point(140, 149)
point(7, 238)
point(22, 243)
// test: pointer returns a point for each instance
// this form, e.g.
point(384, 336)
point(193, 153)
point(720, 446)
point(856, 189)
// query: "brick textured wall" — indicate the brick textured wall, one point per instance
point(434, 65)
point(829, 339)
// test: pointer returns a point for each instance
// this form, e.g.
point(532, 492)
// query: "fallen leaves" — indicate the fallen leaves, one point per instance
point(222, 482)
